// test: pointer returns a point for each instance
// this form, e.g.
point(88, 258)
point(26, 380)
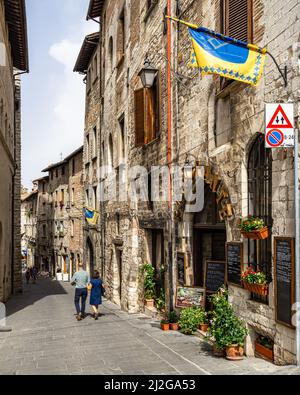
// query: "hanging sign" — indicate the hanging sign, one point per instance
point(279, 125)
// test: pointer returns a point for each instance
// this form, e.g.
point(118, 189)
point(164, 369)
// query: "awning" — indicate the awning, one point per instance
point(95, 9)
point(15, 16)
point(87, 50)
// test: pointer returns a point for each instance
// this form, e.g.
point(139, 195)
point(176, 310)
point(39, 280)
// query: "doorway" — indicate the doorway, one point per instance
point(209, 236)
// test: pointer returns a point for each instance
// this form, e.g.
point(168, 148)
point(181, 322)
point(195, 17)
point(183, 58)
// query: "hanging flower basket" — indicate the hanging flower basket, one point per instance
point(260, 234)
point(259, 289)
point(254, 228)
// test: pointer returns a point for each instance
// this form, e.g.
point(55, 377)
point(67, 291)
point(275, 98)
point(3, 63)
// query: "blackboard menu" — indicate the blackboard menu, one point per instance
point(284, 279)
point(234, 261)
point(180, 268)
point(214, 275)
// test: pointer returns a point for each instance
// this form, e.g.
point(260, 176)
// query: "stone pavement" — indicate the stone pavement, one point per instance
point(46, 339)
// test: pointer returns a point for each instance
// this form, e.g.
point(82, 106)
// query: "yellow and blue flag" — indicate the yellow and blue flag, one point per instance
point(215, 53)
point(91, 216)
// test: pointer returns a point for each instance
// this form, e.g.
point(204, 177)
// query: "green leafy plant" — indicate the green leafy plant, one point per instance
point(249, 224)
point(173, 317)
point(160, 302)
point(252, 277)
point(164, 321)
point(149, 282)
point(190, 319)
point(226, 329)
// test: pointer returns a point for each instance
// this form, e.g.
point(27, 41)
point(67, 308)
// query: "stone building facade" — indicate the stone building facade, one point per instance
point(59, 217)
point(29, 226)
point(88, 65)
point(13, 60)
point(217, 123)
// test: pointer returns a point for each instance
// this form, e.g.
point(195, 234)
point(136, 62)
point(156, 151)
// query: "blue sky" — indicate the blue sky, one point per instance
point(53, 100)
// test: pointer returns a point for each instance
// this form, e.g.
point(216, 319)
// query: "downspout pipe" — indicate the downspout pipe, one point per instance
point(169, 144)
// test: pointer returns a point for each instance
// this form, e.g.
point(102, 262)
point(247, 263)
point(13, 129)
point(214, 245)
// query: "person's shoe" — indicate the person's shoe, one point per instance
point(82, 316)
point(78, 317)
point(96, 317)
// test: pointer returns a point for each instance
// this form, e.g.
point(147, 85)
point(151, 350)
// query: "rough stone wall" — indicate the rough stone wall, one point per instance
point(6, 162)
point(276, 25)
point(91, 164)
point(75, 239)
point(17, 266)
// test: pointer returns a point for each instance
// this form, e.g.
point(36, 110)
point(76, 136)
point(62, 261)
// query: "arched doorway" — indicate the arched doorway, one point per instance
point(209, 236)
point(90, 263)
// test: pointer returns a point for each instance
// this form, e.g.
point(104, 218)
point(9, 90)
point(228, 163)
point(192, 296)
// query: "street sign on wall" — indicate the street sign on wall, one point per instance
point(279, 125)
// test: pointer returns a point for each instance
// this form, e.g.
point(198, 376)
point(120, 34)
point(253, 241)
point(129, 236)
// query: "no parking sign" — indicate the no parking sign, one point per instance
point(279, 125)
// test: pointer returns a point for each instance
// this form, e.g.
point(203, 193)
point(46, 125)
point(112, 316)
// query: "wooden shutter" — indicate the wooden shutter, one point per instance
point(238, 19)
point(150, 121)
point(139, 109)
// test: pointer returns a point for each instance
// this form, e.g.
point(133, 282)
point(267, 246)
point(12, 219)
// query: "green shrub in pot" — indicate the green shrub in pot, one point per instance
point(226, 329)
point(190, 319)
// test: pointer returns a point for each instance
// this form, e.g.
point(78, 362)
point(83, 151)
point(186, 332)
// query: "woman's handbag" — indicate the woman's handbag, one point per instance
point(89, 287)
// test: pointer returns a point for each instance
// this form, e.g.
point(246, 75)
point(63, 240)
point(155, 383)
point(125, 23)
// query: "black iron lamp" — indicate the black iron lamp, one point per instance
point(148, 74)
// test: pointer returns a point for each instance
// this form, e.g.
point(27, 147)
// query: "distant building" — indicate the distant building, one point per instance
point(60, 216)
point(13, 60)
point(29, 203)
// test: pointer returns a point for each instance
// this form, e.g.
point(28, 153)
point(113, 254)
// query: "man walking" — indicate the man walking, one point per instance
point(80, 280)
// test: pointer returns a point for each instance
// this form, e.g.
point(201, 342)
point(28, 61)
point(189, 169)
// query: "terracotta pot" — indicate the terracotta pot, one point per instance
point(219, 353)
point(174, 326)
point(149, 303)
point(258, 289)
point(257, 234)
point(204, 327)
point(235, 353)
point(165, 327)
point(264, 352)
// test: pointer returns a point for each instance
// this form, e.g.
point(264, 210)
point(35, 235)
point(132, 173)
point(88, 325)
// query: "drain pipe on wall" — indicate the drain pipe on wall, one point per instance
point(169, 123)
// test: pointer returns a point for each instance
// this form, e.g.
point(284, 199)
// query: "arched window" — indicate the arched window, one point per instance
point(260, 202)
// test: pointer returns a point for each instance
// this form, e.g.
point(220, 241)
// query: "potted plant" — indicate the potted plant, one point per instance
point(264, 348)
point(173, 320)
point(204, 323)
point(255, 282)
point(165, 325)
point(226, 330)
point(149, 285)
point(160, 302)
point(254, 228)
point(190, 320)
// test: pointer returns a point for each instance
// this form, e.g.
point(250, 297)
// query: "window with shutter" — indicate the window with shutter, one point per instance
point(147, 114)
point(238, 19)
point(139, 109)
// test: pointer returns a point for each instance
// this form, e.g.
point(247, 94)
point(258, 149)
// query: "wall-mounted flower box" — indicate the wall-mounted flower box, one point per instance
point(260, 234)
point(258, 289)
point(254, 228)
point(264, 348)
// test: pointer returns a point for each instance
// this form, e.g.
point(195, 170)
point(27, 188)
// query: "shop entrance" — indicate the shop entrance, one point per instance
point(209, 236)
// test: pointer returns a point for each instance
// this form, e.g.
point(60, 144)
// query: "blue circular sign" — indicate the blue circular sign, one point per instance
point(275, 138)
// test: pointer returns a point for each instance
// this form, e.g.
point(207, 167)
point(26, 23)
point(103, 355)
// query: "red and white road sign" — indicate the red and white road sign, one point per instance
point(279, 125)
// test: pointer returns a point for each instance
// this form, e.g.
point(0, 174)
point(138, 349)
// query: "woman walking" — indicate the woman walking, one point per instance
point(96, 286)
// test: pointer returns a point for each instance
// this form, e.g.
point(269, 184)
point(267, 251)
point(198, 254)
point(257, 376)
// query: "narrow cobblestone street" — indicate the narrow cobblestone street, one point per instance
point(46, 339)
